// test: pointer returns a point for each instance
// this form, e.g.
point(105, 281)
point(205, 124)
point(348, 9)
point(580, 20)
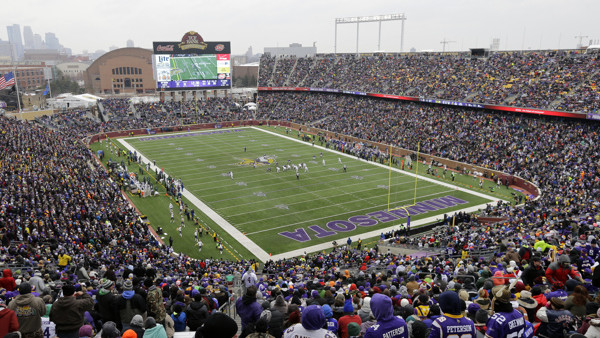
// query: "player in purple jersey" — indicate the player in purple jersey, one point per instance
point(452, 323)
point(506, 322)
point(388, 326)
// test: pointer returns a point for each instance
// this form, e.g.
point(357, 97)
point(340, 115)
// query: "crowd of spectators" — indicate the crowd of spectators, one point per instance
point(548, 79)
point(75, 243)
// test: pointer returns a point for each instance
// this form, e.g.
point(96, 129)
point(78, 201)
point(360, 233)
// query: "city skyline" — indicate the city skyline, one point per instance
point(430, 25)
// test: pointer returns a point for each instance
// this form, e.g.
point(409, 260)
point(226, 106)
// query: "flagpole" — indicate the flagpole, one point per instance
point(18, 96)
point(49, 88)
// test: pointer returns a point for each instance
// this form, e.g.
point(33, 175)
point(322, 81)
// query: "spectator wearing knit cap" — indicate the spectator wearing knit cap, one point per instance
point(106, 302)
point(68, 311)
point(349, 317)
point(555, 318)
point(86, 331)
point(137, 325)
point(388, 325)
point(29, 310)
point(109, 330)
point(129, 305)
point(452, 319)
point(353, 330)
point(313, 321)
point(153, 329)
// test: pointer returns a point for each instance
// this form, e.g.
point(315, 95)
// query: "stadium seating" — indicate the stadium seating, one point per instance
point(56, 200)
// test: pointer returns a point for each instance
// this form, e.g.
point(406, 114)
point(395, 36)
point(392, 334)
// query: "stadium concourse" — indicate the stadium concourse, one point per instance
point(66, 228)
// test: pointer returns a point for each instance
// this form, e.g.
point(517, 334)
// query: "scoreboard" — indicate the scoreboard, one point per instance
point(192, 64)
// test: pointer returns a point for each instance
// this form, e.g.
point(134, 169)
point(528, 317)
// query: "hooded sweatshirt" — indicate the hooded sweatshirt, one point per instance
point(365, 310)
point(7, 281)
point(8, 321)
point(388, 325)
point(313, 319)
point(29, 310)
point(155, 332)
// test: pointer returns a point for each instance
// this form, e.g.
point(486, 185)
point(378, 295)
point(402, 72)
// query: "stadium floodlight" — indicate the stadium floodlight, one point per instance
point(373, 18)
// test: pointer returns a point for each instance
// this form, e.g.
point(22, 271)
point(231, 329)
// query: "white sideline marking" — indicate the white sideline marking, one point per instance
point(235, 233)
point(261, 254)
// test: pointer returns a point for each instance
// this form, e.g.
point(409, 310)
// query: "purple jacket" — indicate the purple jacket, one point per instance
point(387, 324)
point(248, 309)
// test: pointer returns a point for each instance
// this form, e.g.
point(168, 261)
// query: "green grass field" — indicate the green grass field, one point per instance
point(277, 212)
point(199, 67)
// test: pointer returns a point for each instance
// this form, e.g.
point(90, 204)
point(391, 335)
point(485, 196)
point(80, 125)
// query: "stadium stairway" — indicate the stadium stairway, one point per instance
point(287, 81)
point(314, 63)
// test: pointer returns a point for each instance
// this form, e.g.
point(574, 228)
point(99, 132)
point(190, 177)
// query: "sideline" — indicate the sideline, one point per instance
point(260, 253)
point(230, 229)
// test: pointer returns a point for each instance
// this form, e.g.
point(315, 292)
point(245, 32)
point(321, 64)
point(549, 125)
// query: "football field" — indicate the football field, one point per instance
point(193, 68)
point(231, 176)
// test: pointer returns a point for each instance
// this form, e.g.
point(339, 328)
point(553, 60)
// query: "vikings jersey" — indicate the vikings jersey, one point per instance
point(449, 326)
point(506, 325)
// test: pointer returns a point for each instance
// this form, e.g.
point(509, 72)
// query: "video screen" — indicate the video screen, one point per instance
point(189, 71)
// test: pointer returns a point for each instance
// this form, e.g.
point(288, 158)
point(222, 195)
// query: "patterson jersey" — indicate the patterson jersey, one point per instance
point(449, 326)
point(506, 325)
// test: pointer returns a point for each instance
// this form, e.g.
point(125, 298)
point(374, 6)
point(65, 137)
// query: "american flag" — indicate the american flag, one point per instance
point(7, 80)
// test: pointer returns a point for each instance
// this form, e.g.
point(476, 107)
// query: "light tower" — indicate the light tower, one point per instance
point(377, 18)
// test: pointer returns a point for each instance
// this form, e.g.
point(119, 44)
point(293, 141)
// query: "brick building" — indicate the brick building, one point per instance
point(124, 70)
point(29, 75)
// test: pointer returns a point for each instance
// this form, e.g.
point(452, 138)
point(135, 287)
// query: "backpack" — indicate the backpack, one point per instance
point(211, 303)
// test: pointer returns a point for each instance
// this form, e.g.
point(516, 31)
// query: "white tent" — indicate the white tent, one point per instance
point(69, 100)
point(250, 106)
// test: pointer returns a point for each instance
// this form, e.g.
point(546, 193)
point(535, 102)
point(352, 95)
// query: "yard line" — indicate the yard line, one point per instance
point(301, 201)
point(235, 233)
point(261, 254)
point(424, 178)
point(331, 216)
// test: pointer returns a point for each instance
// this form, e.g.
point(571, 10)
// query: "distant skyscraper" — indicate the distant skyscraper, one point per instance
point(14, 36)
point(28, 37)
point(111, 48)
point(37, 42)
point(52, 41)
point(130, 43)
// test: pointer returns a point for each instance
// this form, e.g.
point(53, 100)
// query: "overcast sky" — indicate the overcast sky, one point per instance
point(92, 25)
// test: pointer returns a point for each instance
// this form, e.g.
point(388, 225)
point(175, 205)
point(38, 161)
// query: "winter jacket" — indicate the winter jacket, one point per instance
point(29, 310)
point(594, 330)
point(106, 307)
point(276, 323)
point(556, 273)
point(196, 312)
point(248, 309)
point(156, 332)
point(179, 320)
point(7, 281)
point(67, 312)
point(8, 321)
point(155, 304)
point(131, 304)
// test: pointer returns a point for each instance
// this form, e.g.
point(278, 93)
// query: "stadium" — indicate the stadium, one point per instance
point(437, 180)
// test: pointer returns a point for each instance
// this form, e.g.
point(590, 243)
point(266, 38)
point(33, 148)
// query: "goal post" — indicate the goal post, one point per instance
point(390, 182)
